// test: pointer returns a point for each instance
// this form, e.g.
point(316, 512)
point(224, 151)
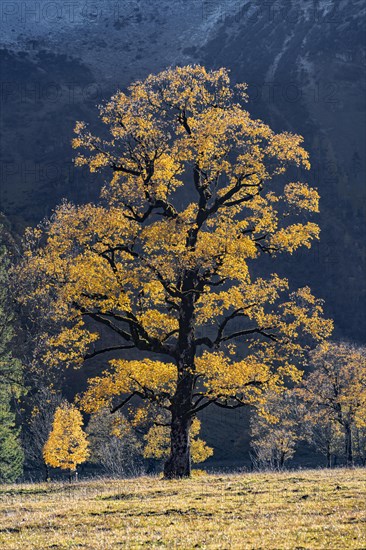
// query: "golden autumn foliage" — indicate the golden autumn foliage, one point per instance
point(67, 444)
point(164, 261)
point(158, 443)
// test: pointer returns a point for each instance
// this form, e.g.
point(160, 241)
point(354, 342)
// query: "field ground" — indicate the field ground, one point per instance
point(314, 509)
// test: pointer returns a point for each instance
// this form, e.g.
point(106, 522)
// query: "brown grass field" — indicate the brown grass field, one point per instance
point(314, 509)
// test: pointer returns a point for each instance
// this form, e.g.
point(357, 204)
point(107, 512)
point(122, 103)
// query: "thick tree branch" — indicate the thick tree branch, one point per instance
point(125, 401)
point(222, 201)
point(227, 406)
point(171, 289)
point(239, 312)
point(250, 331)
point(119, 168)
point(106, 350)
point(140, 337)
point(98, 317)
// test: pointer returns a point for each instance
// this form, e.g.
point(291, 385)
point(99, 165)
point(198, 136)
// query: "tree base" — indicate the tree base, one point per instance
point(177, 467)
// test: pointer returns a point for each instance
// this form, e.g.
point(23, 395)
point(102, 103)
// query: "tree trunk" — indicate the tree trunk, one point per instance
point(46, 473)
point(329, 458)
point(348, 445)
point(73, 475)
point(178, 464)
point(281, 461)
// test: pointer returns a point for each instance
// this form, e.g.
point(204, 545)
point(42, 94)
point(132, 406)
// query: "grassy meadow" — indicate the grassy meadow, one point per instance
point(314, 509)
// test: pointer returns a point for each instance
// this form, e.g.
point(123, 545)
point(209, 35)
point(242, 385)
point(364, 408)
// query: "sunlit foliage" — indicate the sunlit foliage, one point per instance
point(164, 261)
point(158, 443)
point(67, 444)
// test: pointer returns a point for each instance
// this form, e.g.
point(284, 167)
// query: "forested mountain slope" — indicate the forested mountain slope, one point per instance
point(303, 61)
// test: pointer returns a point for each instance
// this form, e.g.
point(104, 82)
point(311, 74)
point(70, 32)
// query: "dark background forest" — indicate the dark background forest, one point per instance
point(304, 64)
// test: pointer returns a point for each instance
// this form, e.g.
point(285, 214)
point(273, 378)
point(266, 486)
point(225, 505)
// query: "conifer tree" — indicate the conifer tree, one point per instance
point(11, 453)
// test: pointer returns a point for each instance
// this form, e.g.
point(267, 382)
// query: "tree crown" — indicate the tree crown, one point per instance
point(163, 263)
point(67, 444)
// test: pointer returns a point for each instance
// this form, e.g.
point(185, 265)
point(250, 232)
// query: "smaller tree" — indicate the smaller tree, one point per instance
point(11, 380)
point(11, 453)
point(359, 439)
point(67, 444)
point(38, 425)
point(11, 369)
point(322, 432)
point(276, 429)
point(113, 443)
point(337, 388)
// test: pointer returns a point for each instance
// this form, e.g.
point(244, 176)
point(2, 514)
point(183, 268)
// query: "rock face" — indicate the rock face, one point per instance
point(303, 61)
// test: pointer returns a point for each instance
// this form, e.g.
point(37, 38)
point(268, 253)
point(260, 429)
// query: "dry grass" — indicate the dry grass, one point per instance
point(316, 509)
